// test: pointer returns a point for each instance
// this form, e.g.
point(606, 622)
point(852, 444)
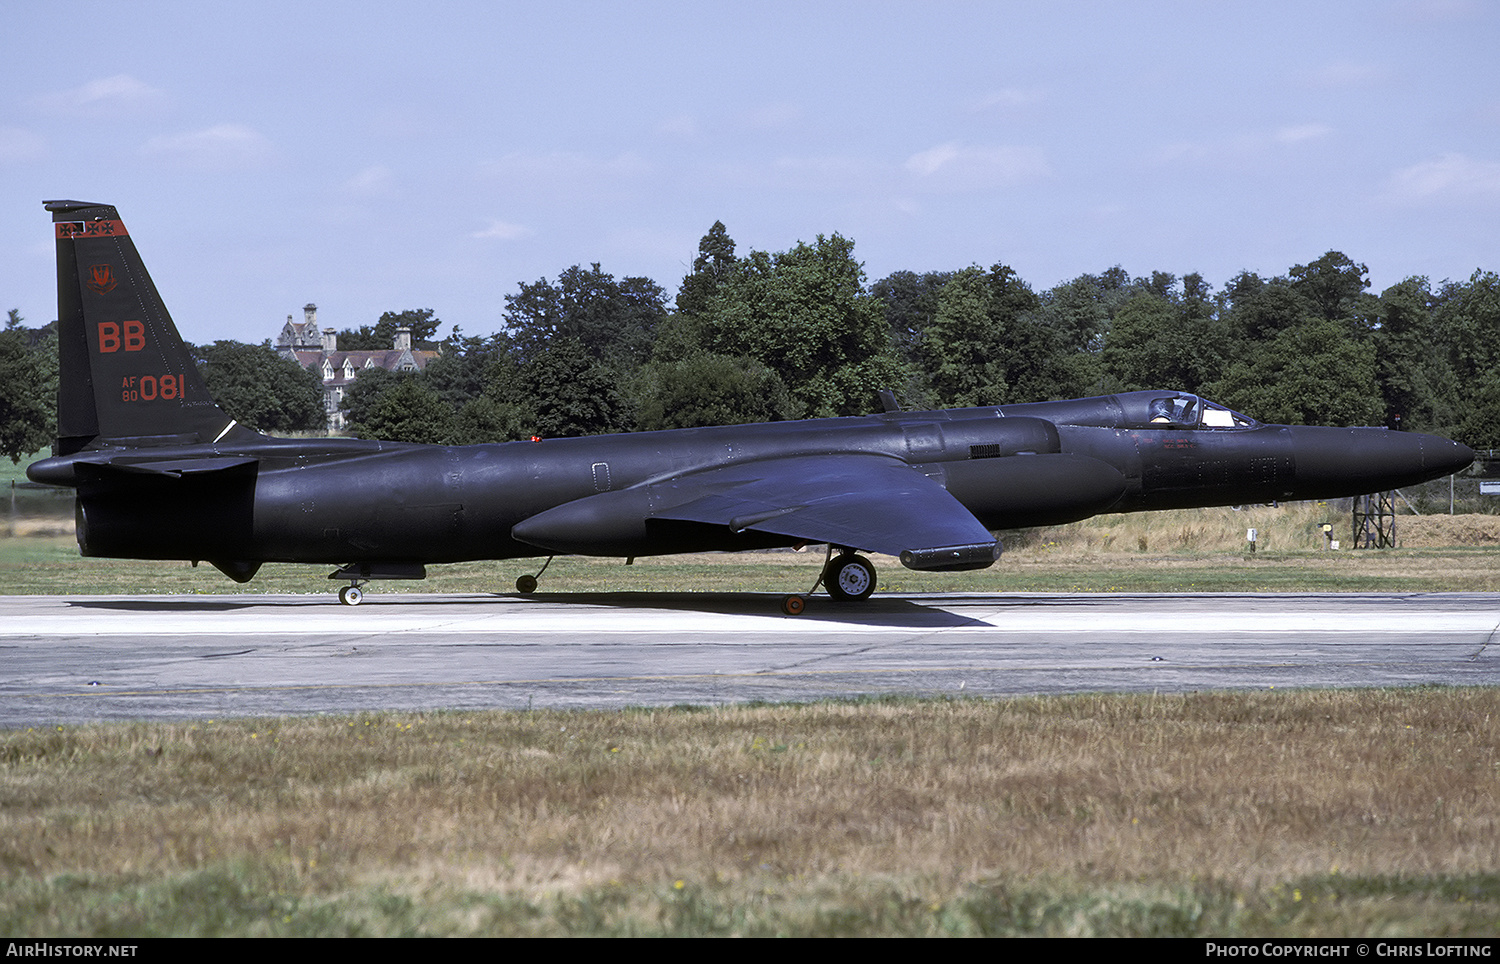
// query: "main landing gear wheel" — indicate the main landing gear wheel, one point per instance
point(351, 595)
point(849, 576)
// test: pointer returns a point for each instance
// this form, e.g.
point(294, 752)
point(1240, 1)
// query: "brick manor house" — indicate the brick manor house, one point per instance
point(302, 342)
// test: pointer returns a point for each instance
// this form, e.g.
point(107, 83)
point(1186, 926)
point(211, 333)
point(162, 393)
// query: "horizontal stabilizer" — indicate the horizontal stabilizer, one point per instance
point(65, 470)
point(181, 467)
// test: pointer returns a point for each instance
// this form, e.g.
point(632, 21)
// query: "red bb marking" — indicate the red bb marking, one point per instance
point(110, 340)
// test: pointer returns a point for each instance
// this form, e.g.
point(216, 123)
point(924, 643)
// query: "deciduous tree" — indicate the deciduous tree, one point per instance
point(28, 388)
point(1333, 284)
point(805, 314)
point(612, 321)
point(1166, 342)
point(423, 323)
point(1310, 374)
point(565, 392)
point(260, 389)
point(714, 262)
point(397, 406)
point(708, 389)
point(964, 347)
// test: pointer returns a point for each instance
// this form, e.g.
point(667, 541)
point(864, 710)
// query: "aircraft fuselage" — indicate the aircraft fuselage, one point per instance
point(329, 501)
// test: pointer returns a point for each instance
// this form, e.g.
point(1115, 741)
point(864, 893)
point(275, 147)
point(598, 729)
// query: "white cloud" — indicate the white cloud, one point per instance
point(17, 144)
point(565, 165)
point(1242, 147)
point(932, 160)
point(119, 94)
point(503, 231)
point(953, 166)
point(831, 172)
point(1302, 132)
point(1008, 97)
point(908, 206)
point(566, 175)
point(1348, 73)
point(376, 181)
point(772, 116)
point(678, 125)
point(1448, 178)
point(1441, 11)
point(223, 146)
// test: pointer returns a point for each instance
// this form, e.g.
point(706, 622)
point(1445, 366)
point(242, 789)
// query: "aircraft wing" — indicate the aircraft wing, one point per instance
point(869, 502)
point(861, 501)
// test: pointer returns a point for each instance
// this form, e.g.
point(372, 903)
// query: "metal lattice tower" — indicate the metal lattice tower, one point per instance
point(1375, 521)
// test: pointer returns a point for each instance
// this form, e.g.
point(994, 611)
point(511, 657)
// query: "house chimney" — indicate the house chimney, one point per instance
point(330, 340)
point(310, 315)
point(403, 339)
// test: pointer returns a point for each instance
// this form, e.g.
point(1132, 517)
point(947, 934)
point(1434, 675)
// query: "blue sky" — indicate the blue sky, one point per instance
point(373, 156)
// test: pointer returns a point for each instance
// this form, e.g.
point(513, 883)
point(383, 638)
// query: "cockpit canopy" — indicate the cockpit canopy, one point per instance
point(1148, 409)
point(1180, 410)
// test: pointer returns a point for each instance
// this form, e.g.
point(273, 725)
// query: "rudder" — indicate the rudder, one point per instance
point(125, 376)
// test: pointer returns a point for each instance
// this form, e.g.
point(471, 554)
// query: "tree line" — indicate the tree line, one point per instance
point(802, 333)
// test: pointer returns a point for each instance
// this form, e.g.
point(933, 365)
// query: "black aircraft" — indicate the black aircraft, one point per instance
point(161, 472)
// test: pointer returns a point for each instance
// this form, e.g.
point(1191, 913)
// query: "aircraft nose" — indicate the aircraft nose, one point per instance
point(1445, 455)
point(1352, 461)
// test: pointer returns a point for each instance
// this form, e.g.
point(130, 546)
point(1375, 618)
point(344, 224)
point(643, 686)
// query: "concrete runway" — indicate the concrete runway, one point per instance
point(77, 659)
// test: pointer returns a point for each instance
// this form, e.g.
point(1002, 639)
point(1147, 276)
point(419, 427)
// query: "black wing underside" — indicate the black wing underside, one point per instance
point(868, 502)
point(863, 502)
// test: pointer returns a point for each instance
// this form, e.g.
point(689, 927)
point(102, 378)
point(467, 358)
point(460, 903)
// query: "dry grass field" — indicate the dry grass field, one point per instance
point(1229, 814)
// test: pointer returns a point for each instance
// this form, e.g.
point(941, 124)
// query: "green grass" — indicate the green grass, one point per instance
point(51, 565)
point(16, 471)
point(246, 902)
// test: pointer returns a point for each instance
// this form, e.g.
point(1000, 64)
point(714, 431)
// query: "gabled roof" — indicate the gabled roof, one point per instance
point(390, 359)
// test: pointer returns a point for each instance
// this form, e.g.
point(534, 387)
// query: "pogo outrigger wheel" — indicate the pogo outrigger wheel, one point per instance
point(526, 582)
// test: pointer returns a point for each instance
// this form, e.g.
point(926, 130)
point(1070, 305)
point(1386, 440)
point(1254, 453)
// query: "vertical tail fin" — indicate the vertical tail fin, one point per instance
point(125, 375)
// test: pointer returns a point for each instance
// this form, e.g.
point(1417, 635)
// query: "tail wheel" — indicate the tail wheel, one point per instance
point(793, 605)
point(351, 595)
point(849, 576)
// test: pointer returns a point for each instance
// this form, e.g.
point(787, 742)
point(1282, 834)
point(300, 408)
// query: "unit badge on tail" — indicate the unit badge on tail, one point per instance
point(102, 278)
